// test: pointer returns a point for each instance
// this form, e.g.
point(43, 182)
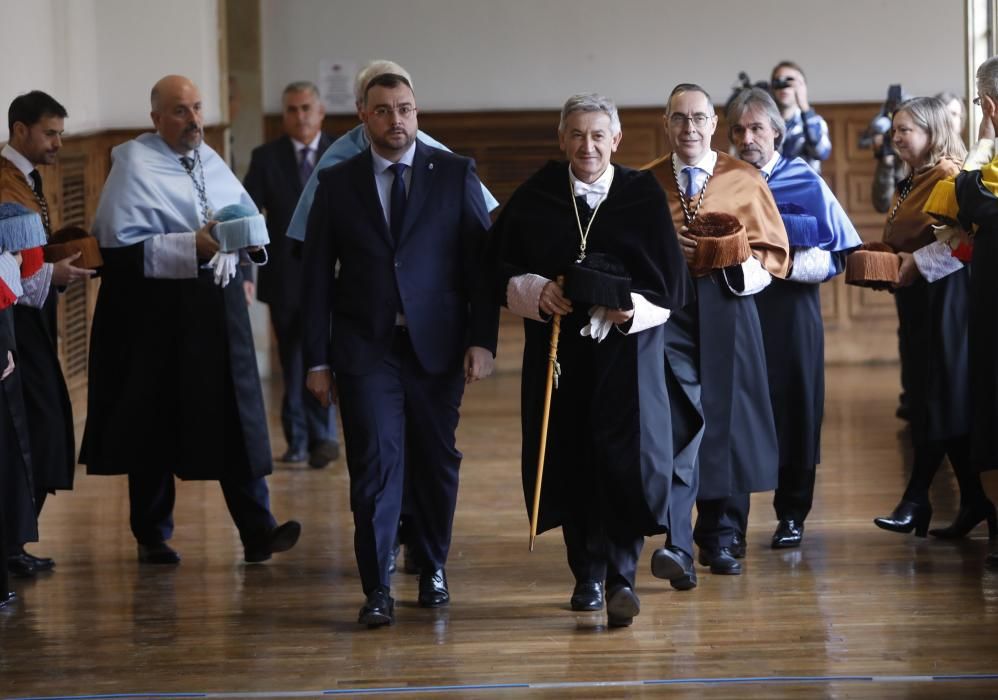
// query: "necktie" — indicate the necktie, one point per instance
point(36, 179)
point(397, 203)
point(692, 186)
point(305, 166)
point(36, 185)
point(188, 163)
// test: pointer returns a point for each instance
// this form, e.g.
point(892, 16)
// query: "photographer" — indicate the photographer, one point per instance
point(807, 133)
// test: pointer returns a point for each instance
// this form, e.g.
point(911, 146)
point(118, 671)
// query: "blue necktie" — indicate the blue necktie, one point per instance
point(305, 167)
point(691, 181)
point(397, 203)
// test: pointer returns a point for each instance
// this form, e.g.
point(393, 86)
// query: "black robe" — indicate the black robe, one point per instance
point(979, 206)
point(18, 523)
point(173, 376)
point(610, 415)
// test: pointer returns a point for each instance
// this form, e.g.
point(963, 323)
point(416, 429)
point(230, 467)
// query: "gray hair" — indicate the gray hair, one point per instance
point(688, 87)
point(987, 77)
point(756, 97)
point(371, 71)
point(301, 86)
point(591, 102)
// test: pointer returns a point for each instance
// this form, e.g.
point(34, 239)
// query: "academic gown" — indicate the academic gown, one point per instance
point(790, 313)
point(739, 451)
point(46, 398)
point(610, 413)
point(979, 206)
point(173, 376)
point(18, 523)
point(934, 319)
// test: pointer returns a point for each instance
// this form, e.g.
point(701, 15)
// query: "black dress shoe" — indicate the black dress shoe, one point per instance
point(41, 563)
point(720, 561)
point(737, 546)
point(280, 539)
point(906, 517)
point(788, 534)
point(622, 605)
point(587, 596)
point(433, 591)
point(7, 598)
point(322, 453)
point(19, 566)
point(967, 518)
point(294, 455)
point(378, 609)
point(674, 565)
point(158, 553)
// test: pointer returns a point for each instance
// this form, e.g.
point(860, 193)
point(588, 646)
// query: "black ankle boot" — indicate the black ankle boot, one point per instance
point(967, 518)
point(906, 517)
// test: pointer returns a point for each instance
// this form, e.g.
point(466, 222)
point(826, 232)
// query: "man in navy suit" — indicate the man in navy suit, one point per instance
point(275, 178)
point(405, 324)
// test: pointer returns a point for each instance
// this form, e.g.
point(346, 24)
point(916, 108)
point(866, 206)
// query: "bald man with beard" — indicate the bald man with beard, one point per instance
point(174, 387)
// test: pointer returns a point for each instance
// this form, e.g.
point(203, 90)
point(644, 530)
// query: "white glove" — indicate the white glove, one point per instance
point(225, 267)
point(599, 325)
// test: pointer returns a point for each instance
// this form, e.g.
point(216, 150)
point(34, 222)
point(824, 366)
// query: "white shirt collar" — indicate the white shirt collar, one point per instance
point(595, 191)
point(22, 163)
point(313, 144)
point(767, 169)
point(382, 164)
point(706, 162)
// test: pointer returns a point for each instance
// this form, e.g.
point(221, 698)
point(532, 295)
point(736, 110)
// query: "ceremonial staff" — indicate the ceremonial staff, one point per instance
point(552, 373)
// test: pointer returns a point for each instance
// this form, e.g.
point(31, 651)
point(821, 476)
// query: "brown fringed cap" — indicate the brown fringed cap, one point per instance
point(874, 265)
point(721, 242)
point(71, 240)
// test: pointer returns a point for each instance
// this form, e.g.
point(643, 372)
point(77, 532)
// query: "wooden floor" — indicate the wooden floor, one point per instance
point(857, 612)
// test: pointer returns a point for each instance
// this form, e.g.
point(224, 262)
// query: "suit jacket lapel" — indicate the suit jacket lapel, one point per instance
point(419, 187)
point(289, 164)
point(367, 191)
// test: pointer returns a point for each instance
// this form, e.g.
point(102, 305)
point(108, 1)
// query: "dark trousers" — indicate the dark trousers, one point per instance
point(303, 418)
point(381, 410)
point(151, 495)
point(795, 493)
point(681, 500)
point(719, 519)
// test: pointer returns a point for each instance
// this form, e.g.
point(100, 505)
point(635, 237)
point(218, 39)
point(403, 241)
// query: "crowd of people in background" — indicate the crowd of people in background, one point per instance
point(682, 297)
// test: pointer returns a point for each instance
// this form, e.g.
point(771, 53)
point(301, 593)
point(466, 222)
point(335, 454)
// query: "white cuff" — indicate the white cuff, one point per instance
point(936, 260)
point(10, 273)
point(646, 315)
point(811, 265)
point(523, 295)
point(36, 287)
point(171, 256)
point(755, 278)
point(246, 257)
point(981, 155)
point(318, 368)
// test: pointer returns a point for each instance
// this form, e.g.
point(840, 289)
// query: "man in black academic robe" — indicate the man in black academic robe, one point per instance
point(610, 441)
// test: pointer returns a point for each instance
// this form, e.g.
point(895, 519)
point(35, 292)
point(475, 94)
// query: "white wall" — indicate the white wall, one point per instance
point(100, 58)
point(508, 54)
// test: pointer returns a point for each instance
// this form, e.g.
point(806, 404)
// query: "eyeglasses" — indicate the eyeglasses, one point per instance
point(405, 111)
point(977, 101)
point(679, 120)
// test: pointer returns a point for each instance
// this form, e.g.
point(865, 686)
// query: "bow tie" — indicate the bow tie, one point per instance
point(584, 188)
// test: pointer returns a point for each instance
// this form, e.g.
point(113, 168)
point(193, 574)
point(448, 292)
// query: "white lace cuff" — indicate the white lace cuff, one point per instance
point(523, 295)
point(936, 260)
point(755, 278)
point(646, 315)
point(811, 265)
point(36, 287)
point(171, 256)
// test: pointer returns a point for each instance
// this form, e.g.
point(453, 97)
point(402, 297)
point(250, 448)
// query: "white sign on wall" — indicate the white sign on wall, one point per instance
point(336, 85)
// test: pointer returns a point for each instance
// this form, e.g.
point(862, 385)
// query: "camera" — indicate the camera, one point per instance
point(779, 83)
point(880, 125)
